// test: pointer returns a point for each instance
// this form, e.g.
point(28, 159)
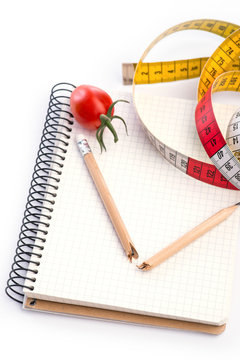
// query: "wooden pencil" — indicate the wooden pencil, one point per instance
point(187, 238)
point(107, 198)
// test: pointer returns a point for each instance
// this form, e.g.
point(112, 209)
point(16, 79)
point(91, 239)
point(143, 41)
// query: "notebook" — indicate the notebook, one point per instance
point(77, 265)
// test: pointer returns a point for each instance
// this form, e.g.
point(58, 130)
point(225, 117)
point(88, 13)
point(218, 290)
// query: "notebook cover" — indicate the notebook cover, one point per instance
point(85, 311)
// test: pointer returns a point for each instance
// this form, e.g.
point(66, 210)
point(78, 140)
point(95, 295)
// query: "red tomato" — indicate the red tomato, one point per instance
point(87, 104)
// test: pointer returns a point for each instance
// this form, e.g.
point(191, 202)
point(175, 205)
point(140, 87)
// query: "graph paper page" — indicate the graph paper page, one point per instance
point(83, 261)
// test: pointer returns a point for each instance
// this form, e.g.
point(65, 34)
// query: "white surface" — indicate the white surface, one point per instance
point(48, 42)
point(83, 262)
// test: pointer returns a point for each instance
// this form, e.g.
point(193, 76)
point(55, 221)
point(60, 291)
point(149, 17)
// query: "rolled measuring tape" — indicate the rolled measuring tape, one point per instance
point(220, 72)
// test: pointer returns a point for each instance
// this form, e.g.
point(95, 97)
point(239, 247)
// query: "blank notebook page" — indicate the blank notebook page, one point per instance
point(83, 261)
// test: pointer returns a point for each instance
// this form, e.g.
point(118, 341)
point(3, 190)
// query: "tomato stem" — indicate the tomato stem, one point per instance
point(106, 122)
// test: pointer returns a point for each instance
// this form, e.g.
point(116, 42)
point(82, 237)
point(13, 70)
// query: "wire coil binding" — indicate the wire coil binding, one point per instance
point(43, 190)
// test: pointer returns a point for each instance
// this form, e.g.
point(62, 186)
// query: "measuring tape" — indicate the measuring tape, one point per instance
point(220, 72)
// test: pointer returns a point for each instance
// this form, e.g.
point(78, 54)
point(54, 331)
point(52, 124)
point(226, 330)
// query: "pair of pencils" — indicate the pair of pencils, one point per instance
point(120, 228)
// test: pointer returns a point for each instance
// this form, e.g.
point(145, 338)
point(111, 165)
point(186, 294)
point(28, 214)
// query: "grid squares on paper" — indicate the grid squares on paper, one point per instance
point(83, 262)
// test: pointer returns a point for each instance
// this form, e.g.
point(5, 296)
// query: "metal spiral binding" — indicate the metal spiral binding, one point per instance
point(43, 190)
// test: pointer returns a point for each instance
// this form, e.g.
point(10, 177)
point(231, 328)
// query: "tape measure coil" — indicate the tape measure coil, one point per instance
point(220, 72)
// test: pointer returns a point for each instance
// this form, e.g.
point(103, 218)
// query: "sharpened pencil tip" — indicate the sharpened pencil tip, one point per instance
point(237, 203)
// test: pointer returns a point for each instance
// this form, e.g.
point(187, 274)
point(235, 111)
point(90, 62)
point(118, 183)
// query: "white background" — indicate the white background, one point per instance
point(45, 42)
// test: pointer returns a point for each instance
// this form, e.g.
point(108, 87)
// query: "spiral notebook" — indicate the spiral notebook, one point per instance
point(69, 259)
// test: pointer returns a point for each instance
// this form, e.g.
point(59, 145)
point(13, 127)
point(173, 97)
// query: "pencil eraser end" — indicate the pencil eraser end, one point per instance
point(83, 144)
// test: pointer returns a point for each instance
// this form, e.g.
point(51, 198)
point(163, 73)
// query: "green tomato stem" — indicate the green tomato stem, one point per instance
point(106, 122)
